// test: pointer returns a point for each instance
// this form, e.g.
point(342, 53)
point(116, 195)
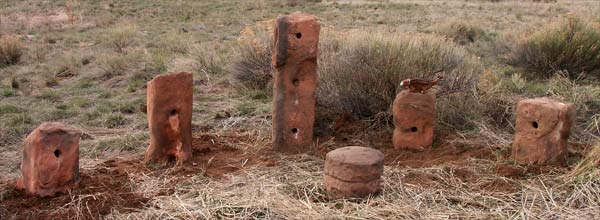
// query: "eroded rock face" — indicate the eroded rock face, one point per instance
point(542, 129)
point(353, 172)
point(414, 120)
point(295, 46)
point(169, 109)
point(50, 162)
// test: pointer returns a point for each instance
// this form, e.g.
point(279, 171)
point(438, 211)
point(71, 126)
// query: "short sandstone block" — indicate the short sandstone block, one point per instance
point(542, 129)
point(50, 162)
point(295, 49)
point(414, 119)
point(353, 172)
point(169, 103)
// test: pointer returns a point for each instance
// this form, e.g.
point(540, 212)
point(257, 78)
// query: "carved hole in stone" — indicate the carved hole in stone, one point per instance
point(296, 82)
point(173, 112)
point(294, 130)
point(171, 159)
point(535, 124)
point(413, 129)
point(57, 153)
point(298, 35)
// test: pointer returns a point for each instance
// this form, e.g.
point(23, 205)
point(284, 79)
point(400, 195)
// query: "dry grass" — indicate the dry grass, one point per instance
point(360, 73)
point(11, 50)
point(293, 190)
point(571, 45)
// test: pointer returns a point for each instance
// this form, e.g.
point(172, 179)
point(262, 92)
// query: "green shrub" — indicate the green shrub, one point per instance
point(121, 37)
point(461, 32)
point(572, 45)
point(11, 51)
point(360, 73)
point(114, 120)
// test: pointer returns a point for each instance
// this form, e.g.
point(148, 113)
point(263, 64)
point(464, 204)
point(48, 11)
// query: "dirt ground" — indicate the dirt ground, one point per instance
point(107, 187)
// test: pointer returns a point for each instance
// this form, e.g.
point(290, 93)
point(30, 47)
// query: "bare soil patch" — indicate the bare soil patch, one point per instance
point(107, 188)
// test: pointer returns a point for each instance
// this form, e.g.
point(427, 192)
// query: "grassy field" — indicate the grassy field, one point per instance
point(85, 63)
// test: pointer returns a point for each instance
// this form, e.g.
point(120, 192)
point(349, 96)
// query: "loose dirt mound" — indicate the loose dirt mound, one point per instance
point(100, 191)
point(108, 188)
point(215, 156)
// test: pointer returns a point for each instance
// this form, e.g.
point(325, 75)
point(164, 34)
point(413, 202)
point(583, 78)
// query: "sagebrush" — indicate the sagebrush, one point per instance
point(571, 45)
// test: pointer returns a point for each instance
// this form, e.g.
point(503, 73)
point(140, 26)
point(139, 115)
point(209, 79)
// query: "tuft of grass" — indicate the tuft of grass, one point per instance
point(114, 120)
point(122, 37)
point(251, 67)
point(461, 32)
point(571, 45)
point(11, 51)
point(8, 108)
point(7, 92)
point(211, 59)
point(48, 95)
point(588, 169)
point(113, 64)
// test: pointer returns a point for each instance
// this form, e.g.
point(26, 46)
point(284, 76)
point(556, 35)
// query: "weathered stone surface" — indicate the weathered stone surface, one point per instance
point(354, 164)
point(295, 46)
point(169, 104)
point(339, 189)
point(414, 119)
point(353, 172)
point(542, 129)
point(50, 162)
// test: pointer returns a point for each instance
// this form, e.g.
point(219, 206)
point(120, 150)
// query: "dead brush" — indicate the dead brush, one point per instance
point(252, 69)
point(361, 74)
point(11, 51)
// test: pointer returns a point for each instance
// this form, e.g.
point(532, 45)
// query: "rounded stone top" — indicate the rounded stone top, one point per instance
point(354, 163)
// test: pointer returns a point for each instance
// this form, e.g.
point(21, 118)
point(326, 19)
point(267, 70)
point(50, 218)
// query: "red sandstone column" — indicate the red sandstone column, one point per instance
point(169, 101)
point(542, 129)
point(50, 162)
point(414, 119)
point(295, 50)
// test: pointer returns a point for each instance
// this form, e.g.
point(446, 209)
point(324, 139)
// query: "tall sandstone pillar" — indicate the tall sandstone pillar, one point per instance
point(295, 51)
point(169, 106)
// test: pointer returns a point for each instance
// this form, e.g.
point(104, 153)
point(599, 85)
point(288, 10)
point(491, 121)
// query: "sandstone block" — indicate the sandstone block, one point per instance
point(414, 119)
point(353, 172)
point(295, 51)
point(169, 112)
point(50, 162)
point(542, 128)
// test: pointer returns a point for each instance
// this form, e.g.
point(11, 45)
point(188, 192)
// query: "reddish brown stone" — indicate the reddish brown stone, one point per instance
point(353, 172)
point(169, 104)
point(295, 46)
point(414, 119)
point(542, 129)
point(50, 160)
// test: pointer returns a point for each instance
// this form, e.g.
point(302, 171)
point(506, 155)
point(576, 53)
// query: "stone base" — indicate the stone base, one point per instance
point(542, 128)
point(50, 162)
point(414, 120)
